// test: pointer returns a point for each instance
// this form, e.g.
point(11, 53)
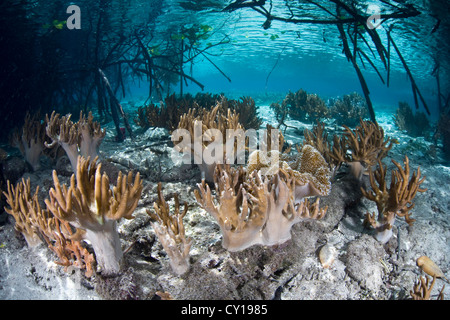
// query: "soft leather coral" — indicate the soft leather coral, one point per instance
point(93, 208)
point(255, 206)
point(170, 231)
point(81, 138)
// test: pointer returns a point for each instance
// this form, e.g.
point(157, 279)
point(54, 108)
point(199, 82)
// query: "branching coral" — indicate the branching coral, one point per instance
point(270, 156)
point(414, 124)
point(360, 148)
point(281, 112)
point(311, 172)
point(93, 208)
point(392, 202)
point(366, 145)
point(309, 168)
point(81, 138)
point(167, 114)
point(208, 133)
point(63, 132)
point(170, 231)
point(301, 106)
point(70, 252)
point(36, 223)
point(25, 209)
point(245, 108)
point(422, 289)
point(205, 100)
point(254, 208)
point(149, 116)
point(316, 108)
point(30, 140)
point(287, 207)
point(239, 219)
point(349, 110)
point(318, 138)
point(91, 135)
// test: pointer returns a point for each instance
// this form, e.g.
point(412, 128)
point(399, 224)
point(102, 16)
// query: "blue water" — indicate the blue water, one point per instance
point(309, 57)
point(48, 66)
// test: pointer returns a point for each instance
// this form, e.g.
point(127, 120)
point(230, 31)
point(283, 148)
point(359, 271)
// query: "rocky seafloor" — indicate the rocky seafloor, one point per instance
point(363, 268)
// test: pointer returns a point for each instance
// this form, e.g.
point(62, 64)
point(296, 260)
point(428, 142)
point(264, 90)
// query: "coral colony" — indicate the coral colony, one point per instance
point(254, 185)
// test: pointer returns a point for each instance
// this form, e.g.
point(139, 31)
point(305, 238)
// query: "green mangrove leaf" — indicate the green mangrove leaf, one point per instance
point(59, 24)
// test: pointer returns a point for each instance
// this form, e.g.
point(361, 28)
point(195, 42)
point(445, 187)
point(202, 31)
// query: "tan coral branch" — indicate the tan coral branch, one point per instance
point(30, 140)
point(255, 208)
point(81, 138)
point(35, 222)
point(362, 147)
point(202, 125)
point(422, 289)
point(25, 209)
point(91, 206)
point(395, 201)
point(171, 233)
